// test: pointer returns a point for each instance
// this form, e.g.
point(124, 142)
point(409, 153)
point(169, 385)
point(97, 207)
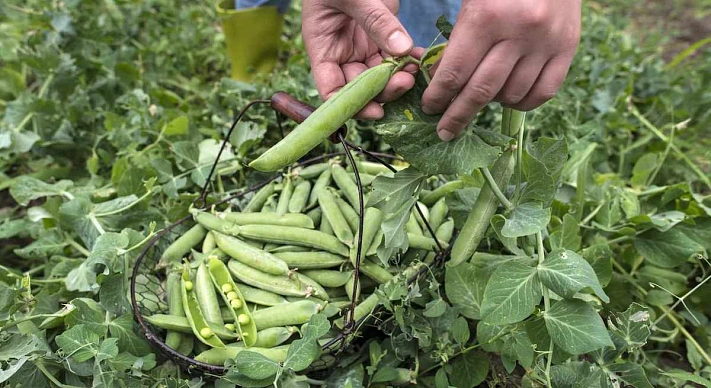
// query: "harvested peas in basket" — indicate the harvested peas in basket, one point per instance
point(264, 271)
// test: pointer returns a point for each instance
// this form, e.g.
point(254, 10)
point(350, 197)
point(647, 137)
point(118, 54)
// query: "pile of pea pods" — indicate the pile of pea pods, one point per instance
point(245, 279)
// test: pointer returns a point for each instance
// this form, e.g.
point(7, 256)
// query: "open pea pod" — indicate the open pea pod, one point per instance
point(198, 324)
point(244, 322)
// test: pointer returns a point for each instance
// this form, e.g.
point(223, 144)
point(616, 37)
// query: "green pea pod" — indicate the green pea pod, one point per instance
point(412, 226)
point(182, 245)
point(260, 198)
point(432, 197)
point(330, 116)
point(271, 204)
point(285, 196)
point(325, 227)
point(375, 272)
point(313, 287)
point(315, 214)
point(310, 260)
point(294, 313)
point(365, 179)
point(377, 240)
point(422, 242)
point(335, 217)
point(276, 248)
point(219, 356)
point(420, 221)
point(484, 208)
point(350, 287)
point(282, 285)
point(259, 296)
point(374, 168)
point(351, 214)
point(311, 171)
point(187, 342)
point(289, 219)
point(323, 181)
point(212, 222)
point(208, 244)
point(294, 236)
point(443, 233)
point(194, 314)
point(271, 337)
point(205, 292)
point(182, 325)
point(371, 225)
point(300, 197)
point(233, 298)
point(175, 307)
point(254, 257)
point(328, 278)
point(347, 185)
point(438, 214)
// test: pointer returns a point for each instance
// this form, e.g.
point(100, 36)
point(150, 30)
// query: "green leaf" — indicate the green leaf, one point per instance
point(517, 347)
point(255, 365)
point(88, 313)
point(435, 308)
point(177, 126)
point(128, 339)
point(566, 273)
point(107, 350)
point(469, 370)
point(630, 373)
point(304, 351)
point(497, 223)
point(551, 153)
point(643, 169)
point(526, 219)
point(683, 376)
point(511, 294)
point(464, 285)
point(384, 374)
point(413, 135)
point(79, 342)
point(246, 136)
point(27, 189)
point(668, 249)
point(568, 236)
point(127, 361)
point(11, 368)
point(19, 345)
point(441, 380)
point(105, 252)
point(579, 374)
point(460, 204)
point(444, 26)
point(631, 327)
point(50, 243)
point(576, 327)
point(460, 331)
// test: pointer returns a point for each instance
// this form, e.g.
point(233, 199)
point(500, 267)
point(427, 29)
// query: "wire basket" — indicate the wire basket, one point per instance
point(148, 289)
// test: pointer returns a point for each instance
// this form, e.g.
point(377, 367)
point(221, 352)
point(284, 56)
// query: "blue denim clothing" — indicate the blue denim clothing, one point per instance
point(418, 16)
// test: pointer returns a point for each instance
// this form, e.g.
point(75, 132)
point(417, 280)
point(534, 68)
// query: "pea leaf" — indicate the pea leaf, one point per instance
point(469, 370)
point(511, 294)
point(566, 273)
point(128, 340)
point(517, 347)
point(304, 351)
point(27, 189)
point(435, 308)
point(177, 126)
point(630, 373)
point(11, 368)
point(51, 243)
point(576, 327)
point(460, 331)
point(107, 350)
point(246, 136)
point(464, 285)
point(444, 26)
point(79, 342)
point(631, 327)
point(526, 219)
point(255, 365)
point(668, 249)
point(568, 236)
point(413, 135)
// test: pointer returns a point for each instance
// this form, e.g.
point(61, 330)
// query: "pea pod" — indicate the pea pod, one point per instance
point(310, 260)
point(194, 314)
point(315, 214)
point(182, 245)
point(347, 185)
point(182, 325)
point(294, 236)
point(484, 208)
point(374, 168)
point(259, 296)
point(328, 278)
point(175, 307)
point(351, 214)
point(335, 217)
point(208, 244)
point(205, 293)
point(249, 255)
point(377, 240)
point(412, 226)
point(443, 233)
point(219, 356)
point(375, 272)
point(285, 196)
point(323, 181)
point(271, 337)
point(351, 286)
point(312, 171)
point(371, 225)
point(270, 204)
point(214, 223)
point(276, 248)
point(422, 242)
point(432, 197)
point(187, 342)
point(233, 298)
point(294, 313)
point(422, 222)
point(289, 219)
point(282, 285)
point(438, 214)
point(330, 116)
point(325, 227)
point(260, 198)
point(300, 197)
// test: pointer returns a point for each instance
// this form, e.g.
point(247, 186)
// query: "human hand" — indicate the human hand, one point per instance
point(516, 52)
point(345, 37)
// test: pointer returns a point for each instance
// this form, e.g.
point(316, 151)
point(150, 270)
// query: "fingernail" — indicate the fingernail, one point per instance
point(399, 43)
point(445, 134)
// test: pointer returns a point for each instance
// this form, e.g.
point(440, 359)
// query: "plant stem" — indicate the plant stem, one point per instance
point(495, 188)
point(547, 306)
point(78, 247)
point(123, 209)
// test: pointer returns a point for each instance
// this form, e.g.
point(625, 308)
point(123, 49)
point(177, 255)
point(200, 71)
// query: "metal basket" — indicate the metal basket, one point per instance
point(148, 291)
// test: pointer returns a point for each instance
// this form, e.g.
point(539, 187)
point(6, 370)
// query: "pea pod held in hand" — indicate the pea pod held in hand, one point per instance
point(331, 115)
point(232, 297)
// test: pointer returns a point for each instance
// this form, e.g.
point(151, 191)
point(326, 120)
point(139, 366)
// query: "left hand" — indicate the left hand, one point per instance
point(516, 52)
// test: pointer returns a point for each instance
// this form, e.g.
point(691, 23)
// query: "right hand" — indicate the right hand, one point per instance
point(345, 37)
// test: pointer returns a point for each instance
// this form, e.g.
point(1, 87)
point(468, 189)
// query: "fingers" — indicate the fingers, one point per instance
point(521, 80)
point(381, 25)
point(457, 65)
point(328, 77)
point(482, 87)
point(547, 84)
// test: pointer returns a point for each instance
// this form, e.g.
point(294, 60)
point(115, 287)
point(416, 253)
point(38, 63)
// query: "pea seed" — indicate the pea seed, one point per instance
point(226, 288)
point(230, 327)
point(235, 303)
point(232, 295)
point(206, 332)
point(188, 286)
point(243, 319)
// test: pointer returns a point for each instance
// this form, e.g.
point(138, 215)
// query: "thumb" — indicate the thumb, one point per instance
point(382, 26)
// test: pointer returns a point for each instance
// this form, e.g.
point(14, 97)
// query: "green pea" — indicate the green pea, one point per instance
point(235, 304)
point(194, 314)
point(182, 245)
point(220, 275)
point(335, 217)
point(300, 197)
point(188, 286)
point(231, 295)
point(243, 319)
point(206, 332)
point(226, 288)
point(285, 197)
point(260, 198)
point(295, 236)
point(323, 181)
point(347, 185)
point(230, 327)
